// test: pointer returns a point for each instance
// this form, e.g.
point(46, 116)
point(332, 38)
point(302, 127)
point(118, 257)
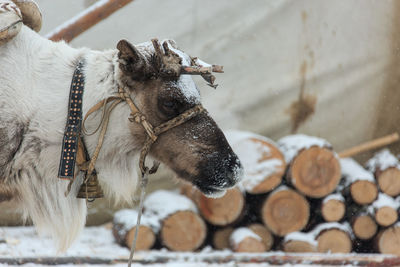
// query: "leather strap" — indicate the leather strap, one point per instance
point(73, 126)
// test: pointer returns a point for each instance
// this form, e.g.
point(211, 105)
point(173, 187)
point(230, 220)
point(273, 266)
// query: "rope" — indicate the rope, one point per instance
point(143, 185)
point(104, 125)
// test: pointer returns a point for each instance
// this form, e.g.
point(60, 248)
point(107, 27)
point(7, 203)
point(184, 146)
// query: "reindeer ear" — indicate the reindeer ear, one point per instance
point(131, 61)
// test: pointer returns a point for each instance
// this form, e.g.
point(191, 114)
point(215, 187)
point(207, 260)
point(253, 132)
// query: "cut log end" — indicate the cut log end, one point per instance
point(389, 181)
point(272, 179)
point(249, 244)
point(145, 240)
point(267, 184)
point(183, 231)
point(222, 211)
point(363, 192)
point(298, 246)
point(334, 241)
point(333, 210)
point(315, 172)
point(386, 216)
point(285, 211)
point(388, 241)
point(263, 232)
point(364, 227)
point(220, 238)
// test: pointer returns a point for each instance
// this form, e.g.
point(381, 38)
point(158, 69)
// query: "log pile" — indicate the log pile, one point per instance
point(297, 195)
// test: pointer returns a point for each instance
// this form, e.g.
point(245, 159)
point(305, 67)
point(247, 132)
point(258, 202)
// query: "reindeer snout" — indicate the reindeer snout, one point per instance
point(219, 173)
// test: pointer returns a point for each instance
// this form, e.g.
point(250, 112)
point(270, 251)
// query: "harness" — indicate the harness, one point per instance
point(74, 151)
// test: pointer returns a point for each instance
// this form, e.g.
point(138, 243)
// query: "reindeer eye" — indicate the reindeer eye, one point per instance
point(169, 105)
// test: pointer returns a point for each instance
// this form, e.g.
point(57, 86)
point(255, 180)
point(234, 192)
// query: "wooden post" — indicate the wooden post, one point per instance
point(86, 19)
point(376, 143)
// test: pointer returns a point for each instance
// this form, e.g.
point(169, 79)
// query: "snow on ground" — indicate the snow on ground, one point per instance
point(98, 242)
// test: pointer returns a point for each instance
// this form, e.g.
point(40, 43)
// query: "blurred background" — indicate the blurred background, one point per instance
point(324, 68)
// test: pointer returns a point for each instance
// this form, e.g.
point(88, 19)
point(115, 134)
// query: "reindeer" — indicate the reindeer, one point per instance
point(35, 81)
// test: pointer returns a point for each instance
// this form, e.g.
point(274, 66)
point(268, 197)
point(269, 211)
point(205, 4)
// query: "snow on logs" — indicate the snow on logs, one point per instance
point(175, 216)
point(218, 211)
point(299, 242)
point(388, 240)
point(348, 205)
point(386, 168)
point(385, 210)
point(361, 183)
point(314, 168)
point(326, 237)
point(285, 211)
point(333, 208)
point(334, 237)
point(124, 226)
point(263, 163)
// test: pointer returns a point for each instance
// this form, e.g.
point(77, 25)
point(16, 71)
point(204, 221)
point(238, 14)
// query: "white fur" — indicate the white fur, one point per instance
point(35, 79)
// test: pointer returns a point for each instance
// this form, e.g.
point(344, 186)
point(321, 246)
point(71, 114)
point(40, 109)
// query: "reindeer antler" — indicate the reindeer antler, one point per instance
point(171, 64)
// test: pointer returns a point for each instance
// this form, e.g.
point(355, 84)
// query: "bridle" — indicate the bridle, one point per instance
point(136, 116)
point(74, 146)
point(74, 149)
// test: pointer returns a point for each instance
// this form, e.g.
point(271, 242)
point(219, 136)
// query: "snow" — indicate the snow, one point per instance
point(162, 203)
point(300, 236)
point(336, 196)
point(352, 171)
point(345, 227)
point(128, 218)
point(281, 188)
point(240, 234)
point(98, 242)
point(291, 145)
point(382, 160)
point(201, 63)
point(24, 242)
point(384, 200)
point(185, 82)
point(251, 155)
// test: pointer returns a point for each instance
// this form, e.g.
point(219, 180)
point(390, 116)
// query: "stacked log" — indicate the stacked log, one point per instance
point(388, 240)
point(360, 183)
point(243, 239)
point(333, 208)
point(124, 226)
point(314, 168)
point(364, 226)
point(386, 168)
point(264, 164)
point(177, 219)
point(285, 211)
point(384, 210)
point(218, 211)
point(320, 204)
point(299, 242)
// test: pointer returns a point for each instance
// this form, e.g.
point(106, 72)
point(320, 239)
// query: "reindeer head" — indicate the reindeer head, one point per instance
point(158, 81)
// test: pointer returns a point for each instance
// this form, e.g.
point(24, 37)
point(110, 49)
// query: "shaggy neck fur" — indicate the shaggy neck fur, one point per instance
point(35, 79)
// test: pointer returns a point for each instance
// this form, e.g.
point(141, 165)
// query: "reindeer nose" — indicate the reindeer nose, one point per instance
point(234, 173)
point(221, 172)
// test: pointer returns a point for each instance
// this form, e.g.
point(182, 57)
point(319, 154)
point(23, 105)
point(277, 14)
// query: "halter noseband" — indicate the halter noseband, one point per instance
point(74, 148)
